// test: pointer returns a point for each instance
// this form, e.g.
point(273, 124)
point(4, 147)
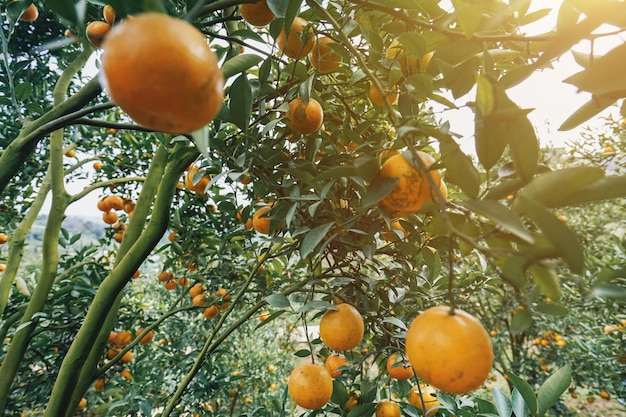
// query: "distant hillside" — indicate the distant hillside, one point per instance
point(89, 229)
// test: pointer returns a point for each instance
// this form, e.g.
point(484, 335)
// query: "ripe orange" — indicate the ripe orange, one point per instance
point(125, 373)
point(605, 395)
point(333, 363)
point(98, 385)
point(353, 401)
point(305, 118)
point(97, 165)
point(122, 338)
point(165, 276)
point(110, 217)
point(261, 221)
point(113, 352)
point(199, 300)
point(111, 338)
point(264, 316)
point(412, 189)
point(114, 201)
point(4, 238)
point(211, 312)
point(3, 267)
point(127, 357)
point(398, 367)
point(170, 285)
point(608, 149)
point(96, 32)
point(257, 14)
point(183, 281)
point(342, 329)
point(297, 44)
point(388, 408)
point(408, 64)
point(323, 57)
point(378, 100)
point(109, 14)
point(147, 338)
point(194, 184)
point(82, 403)
point(310, 386)
point(452, 352)
point(70, 153)
point(396, 232)
point(430, 405)
point(196, 289)
point(162, 72)
point(30, 14)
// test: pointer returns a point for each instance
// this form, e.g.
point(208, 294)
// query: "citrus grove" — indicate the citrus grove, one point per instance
point(287, 222)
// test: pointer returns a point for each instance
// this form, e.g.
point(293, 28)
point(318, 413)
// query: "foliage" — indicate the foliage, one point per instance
point(522, 241)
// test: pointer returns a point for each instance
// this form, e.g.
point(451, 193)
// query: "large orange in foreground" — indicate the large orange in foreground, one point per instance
point(298, 43)
point(342, 329)
point(310, 386)
point(451, 352)
point(413, 188)
point(161, 71)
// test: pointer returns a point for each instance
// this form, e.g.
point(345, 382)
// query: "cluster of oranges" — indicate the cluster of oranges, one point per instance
point(109, 205)
point(550, 337)
point(97, 30)
point(169, 280)
point(610, 328)
point(219, 302)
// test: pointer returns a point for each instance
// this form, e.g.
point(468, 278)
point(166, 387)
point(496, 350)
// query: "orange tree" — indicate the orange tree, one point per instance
point(366, 201)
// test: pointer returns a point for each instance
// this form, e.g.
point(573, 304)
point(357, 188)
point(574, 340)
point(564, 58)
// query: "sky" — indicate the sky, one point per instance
point(552, 100)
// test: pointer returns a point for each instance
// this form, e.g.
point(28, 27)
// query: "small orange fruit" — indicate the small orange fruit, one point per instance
point(96, 32)
point(112, 352)
point(452, 352)
point(111, 338)
point(257, 14)
point(3, 267)
point(125, 373)
point(199, 300)
point(4, 238)
point(127, 357)
point(398, 367)
point(377, 99)
point(82, 404)
point(30, 14)
point(109, 14)
point(98, 385)
point(605, 395)
point(97, 165)
point(196, 289)
point(412, 189)
point(333, 363)
point(323, 57)
point(211, 312)
point(170, 285)
point(388, 408)
point(122, 338)
point(110, 217)
point(305, 118)
point(165, 276)
point(115, 202)
point(194, 184)
point(261, 221)
point(162, 72)
point(353, 401)
point(264, 316)
point(310, 386)
point(342, 329)
point(297, 44)
point(147, 338)
point(430, 405)
point(70, 153)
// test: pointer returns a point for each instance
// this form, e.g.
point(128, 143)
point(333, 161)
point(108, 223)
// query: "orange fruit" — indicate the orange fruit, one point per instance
point(194, 184)
point(98, 385)
point(377, 99)
point(310, 386)
point(261, 221)
point(3, 267)
point(305, 118)
point(122, 338)
point(82, 403)
point(103, 205)
point(147, 338)
point(161, 71)
point(245, 179)
point(297, 44)
point(199, 300)
point(70, 153)
point(396, 232)
point(408, 64)
point(30, 14)
point(4, 238)
point(211, 312)
point(257, 14)
point(398, 367)
point(264, 316)
point(109, 14)
point(112, 352)
point(183, 281)
point(333, 363)
point(165, 276)
point(323, 57)
point(125, 373)
point(96, 32)
point(608, 149)
point(430, 405)
point(111, 338)
point(170, 285)
point(196, 289)
point(452, 352)
point(353, 401)
point(605, 395)
point(127, 357)
point(114, 201)
point(342, 329)
point(388, 408)
point(110, 217)
point(412, 189)
point(97, 165)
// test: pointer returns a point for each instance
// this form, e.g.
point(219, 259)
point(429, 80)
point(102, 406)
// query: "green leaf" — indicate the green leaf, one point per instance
point(518, 404)
point(459, 166)
point(363, 410)
point(336, 172)
point(316, 305)
point(303, 353)
point(610, 290)
point(553, 388)
point(553, 309)
point(340, 393)
point(468, 15)
point(558, 234)
point(68, 10)
point(367, 167)
point(313, 238)
point(603, 189)
point(514, 270)
point(278, 301)
point(605, 75)
point(200, 138)
point(23, 90)
point(396, 322)
point(278, 7)
point(553, 188)
point(501, 215)
point(524, 147)
point(521, 321)
point(502, 403)
point(239, 63)
point(485, 98)
point(526, 392)
point(547, 280)
point(586, 112)
point(241, 102)
point(377, 190)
